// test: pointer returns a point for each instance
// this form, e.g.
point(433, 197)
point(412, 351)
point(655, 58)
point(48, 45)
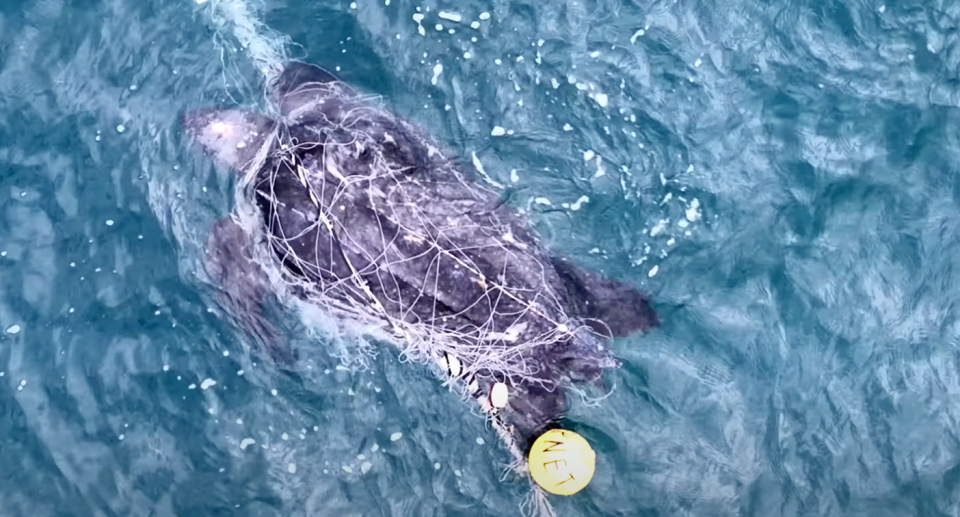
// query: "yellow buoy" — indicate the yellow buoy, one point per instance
point(562, 462)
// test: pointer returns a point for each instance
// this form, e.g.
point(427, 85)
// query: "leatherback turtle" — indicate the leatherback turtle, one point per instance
point(362, 213)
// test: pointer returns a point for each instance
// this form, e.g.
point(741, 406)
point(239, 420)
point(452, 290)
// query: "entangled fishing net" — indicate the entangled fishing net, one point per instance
point(373, 223)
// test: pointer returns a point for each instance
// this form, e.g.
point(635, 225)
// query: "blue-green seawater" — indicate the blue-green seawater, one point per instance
point(781, 177)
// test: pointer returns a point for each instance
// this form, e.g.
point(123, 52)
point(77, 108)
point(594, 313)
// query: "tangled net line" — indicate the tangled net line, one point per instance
point(480, 348)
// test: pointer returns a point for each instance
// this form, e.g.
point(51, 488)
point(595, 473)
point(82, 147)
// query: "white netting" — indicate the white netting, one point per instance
point(396, 281)
point(483, 347)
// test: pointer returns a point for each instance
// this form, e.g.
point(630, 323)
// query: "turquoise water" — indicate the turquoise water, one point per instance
point(807, 362)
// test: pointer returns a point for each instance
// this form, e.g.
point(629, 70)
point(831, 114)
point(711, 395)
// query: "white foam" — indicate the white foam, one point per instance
point(693, 213)
point(437, 70)
point(395, 436)
point(418, 17)
point(498, 131)
point(579, 203)
point(454, 17)
point(600, 171)
point(207, 383)
point(482, 171)
point(13, 329)
point(265, 49)
point(246, 442)
point(659, 227)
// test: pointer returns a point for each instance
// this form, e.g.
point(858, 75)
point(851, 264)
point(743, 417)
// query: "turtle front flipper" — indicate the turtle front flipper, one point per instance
point(609, 306)
point(242, 287)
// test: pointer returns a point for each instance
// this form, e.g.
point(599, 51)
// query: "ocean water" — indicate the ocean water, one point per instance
point(781, 177)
